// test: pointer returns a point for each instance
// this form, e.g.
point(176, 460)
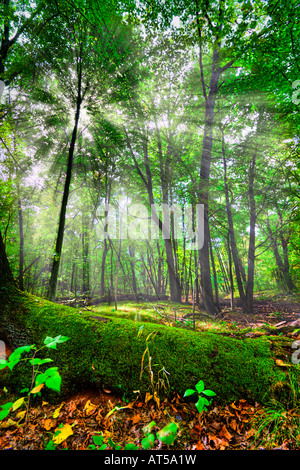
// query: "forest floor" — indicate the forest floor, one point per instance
point(98, 419)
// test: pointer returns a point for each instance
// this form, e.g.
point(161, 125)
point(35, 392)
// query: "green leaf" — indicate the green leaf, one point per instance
point(3, 363)
point(50, 446)
point(130, 446)
point(51, 378)
point(53, 382)
point(147, 429)
point(5, 410)
point(168, 433)
point(148, 442)
point(51, 343)
point(15, 356)
point(3, 414)
point(7, 406)
point(189, 392)
point(40, 379)
point(98, 440)
point(12, 364)
point(38, 362)
point(200, 386)
point(200, 404)
point(209, 393)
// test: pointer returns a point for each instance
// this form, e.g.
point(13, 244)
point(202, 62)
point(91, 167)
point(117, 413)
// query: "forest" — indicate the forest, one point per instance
point(149, 221)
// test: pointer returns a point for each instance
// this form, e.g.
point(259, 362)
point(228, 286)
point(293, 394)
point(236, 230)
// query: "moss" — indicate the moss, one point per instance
point(109, 353)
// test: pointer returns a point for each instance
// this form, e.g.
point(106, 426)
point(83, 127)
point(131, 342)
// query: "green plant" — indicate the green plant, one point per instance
point(202, 402)
point(166, 435)
point(275, 426)
point(49, 378)
point(279, 421)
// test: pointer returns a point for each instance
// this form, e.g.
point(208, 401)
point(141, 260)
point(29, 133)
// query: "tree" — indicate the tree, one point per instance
point(21, 19)
point(84, 35)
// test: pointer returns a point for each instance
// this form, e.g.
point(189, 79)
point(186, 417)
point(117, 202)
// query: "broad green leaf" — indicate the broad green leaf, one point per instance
point(12, 364)
point(209, 393)
point(189, 392)
point(5, 409)
point(148, 442)
point(98, 440)
point(168, 433)
point(3, 363)
point(7, 406)
point(147, 429)
point(200, 386)
point(16, 355)
point(38, 362)
point(51, 343)
point(4, 413)
point(41, 378)
point(131, 446)
point(53, 382)
point(50, 446)
point(200, 404)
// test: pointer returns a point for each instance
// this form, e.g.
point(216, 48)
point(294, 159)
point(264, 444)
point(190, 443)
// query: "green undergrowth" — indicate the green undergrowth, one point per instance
point(107, 351)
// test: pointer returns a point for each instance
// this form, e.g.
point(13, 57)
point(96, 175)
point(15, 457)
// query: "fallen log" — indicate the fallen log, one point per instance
point(108, 354)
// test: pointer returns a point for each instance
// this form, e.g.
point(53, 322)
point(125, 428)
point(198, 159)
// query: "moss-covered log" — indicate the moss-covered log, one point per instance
point(107, 352)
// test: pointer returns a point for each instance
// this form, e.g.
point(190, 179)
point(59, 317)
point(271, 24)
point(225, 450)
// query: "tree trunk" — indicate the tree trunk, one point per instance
point(203, 192)
point(132, 265)
point(234, 250)
point(248, 307)
point(21, 249)
point(230, 272)
point(62, 218)
point(85, 258)
point(215, 277)
point(6, 277)
point(283, 266)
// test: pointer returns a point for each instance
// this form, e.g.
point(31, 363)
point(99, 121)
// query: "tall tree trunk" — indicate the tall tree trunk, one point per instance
point(159, 271)
point(217, 300)
point(283, 266)
point(21, 249)
point(105, 244)
point(234, 250)
point(230, 272)
point(85, 258)
point(248, 308)
point(62, 218)
point(117, 276)
point(132, 265)
point(203, 192)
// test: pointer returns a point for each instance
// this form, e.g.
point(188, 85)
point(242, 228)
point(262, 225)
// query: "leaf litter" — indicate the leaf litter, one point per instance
point(73, 423)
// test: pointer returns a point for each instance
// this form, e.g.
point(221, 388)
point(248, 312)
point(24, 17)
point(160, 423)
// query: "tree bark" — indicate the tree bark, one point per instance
point(6, 276)
point(203, 192)
point(21, 248)
point(62, 218)
point(234, 250)
point(248, 307)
